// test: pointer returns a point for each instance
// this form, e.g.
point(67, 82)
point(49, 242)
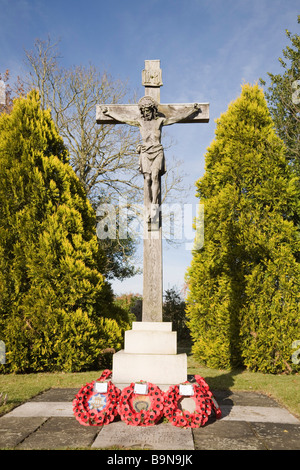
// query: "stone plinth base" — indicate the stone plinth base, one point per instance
point(150, 354)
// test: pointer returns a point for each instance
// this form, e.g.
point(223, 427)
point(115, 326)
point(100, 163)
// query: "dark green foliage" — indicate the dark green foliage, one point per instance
point(283, 97)
point(132, 304)
point(174, 311)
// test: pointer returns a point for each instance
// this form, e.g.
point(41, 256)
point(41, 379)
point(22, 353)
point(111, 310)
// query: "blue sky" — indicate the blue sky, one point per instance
point(207, 49)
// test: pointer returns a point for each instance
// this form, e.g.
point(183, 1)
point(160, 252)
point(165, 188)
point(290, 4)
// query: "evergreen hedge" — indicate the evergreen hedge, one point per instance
point(56, 308)
point(244, 296)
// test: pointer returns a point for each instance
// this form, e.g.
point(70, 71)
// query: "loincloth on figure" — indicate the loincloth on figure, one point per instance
point(152, 158)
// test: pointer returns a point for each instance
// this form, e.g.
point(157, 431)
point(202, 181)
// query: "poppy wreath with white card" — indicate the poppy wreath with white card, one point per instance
point(141, 404)
point(96, 402)
point(204, 404)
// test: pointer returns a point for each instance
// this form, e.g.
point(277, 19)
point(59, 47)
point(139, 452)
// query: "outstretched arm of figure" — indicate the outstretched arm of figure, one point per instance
point(183, 115)
point(118, 116)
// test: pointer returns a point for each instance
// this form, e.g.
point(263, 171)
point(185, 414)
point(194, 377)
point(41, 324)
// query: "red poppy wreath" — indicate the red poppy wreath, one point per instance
point(92, 407)
point(204, 404)
point(141, 410)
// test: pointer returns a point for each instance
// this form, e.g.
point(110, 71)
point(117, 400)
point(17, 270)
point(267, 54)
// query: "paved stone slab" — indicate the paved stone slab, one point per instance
point(56, 394)
point(258, 414)
point(43, 409)
point(14, 430)
point(224, 435)
point(162, 436)
point(60, 433)
point(227, 397)
point(278, 436)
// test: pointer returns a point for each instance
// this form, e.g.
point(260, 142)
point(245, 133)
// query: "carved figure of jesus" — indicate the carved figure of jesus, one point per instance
point(151, 152)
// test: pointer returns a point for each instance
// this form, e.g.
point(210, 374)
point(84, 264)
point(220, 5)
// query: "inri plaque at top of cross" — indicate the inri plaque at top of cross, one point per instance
point(150, 116)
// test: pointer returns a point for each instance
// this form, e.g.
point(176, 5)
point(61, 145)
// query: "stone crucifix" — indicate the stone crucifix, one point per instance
point(150, 116)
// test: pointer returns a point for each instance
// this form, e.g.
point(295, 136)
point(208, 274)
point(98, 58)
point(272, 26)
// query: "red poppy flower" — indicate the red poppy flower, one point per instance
point(182, 421)
point(178, 421)
point(187, 414)
point(204, 420)
point(136, 420)
point(157, 406)
point(197, 418)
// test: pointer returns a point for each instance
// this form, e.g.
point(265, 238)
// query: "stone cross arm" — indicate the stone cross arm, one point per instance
point(131, 111)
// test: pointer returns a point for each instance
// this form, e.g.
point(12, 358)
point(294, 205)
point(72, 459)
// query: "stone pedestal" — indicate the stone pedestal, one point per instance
point(150, 353)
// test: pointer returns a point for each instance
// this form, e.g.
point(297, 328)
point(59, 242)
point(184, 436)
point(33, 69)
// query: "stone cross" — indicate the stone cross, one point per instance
point(150, 116)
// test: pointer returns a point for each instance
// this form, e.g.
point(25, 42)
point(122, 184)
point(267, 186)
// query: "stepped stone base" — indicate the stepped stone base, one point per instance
point(150, 353)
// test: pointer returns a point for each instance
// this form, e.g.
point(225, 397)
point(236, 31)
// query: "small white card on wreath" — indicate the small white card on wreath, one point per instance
point(100, 387)
point(186, 389)
point(140, 388)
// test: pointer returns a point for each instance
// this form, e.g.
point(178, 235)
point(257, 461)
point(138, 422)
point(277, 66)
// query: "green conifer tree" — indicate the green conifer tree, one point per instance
point(56, 310)
point(243, 301)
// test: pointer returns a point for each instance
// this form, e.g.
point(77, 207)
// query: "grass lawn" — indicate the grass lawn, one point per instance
point(284, 388)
